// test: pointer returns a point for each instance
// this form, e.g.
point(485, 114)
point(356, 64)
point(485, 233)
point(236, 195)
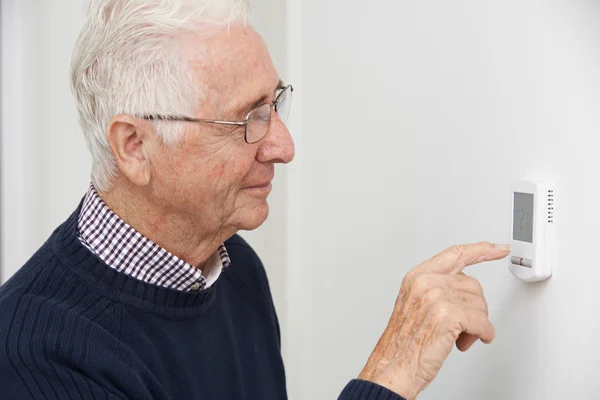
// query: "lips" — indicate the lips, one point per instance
point(260, 182)
point(259, 185)
point(260, 178)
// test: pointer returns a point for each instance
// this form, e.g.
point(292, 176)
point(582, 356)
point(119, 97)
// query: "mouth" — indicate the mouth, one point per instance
point(260, 188)
point(261, 182)
point(263, 185)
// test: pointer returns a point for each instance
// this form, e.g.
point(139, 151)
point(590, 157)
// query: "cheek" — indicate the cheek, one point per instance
point(179, 180)
point(228, 177)
point(216, 172)
point(194, 182)
point(216, 182)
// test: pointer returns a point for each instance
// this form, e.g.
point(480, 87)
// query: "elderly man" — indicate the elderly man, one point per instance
point(146, 291)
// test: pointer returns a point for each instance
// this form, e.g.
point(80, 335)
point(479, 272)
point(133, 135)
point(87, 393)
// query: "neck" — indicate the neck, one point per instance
point(181, 235)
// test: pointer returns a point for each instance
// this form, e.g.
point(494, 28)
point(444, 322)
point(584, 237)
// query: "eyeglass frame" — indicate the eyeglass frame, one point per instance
point(244, 123)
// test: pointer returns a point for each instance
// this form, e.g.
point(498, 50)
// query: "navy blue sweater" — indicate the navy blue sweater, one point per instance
point(73, 328)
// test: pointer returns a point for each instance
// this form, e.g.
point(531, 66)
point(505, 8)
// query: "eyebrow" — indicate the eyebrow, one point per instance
point(252, 105)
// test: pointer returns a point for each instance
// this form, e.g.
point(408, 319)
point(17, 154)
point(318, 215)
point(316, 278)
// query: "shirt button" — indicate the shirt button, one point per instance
point(195, 286)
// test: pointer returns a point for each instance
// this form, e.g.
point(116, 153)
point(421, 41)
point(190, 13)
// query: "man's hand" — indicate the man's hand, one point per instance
point(438, 306)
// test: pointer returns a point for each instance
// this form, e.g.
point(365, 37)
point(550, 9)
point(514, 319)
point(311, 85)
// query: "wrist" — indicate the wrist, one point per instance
point(394, 383)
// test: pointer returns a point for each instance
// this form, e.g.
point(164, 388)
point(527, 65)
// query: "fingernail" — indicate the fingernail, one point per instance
point(503, 247)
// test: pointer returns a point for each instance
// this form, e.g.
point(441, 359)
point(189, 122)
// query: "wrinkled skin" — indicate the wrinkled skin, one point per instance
point(438, 306)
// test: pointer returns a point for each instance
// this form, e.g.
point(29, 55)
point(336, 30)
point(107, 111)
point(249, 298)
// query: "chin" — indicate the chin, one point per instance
point(254, 218)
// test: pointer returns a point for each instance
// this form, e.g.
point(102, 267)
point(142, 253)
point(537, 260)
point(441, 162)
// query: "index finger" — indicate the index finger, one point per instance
point(454, 259)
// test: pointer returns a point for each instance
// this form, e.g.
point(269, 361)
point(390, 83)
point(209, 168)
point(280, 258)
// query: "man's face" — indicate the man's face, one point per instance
point(213, 177)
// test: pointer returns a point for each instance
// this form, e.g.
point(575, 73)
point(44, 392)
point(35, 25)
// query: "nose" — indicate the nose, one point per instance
point(277, 146)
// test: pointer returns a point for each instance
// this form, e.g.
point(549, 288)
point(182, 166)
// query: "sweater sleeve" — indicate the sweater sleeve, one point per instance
point(363, 390)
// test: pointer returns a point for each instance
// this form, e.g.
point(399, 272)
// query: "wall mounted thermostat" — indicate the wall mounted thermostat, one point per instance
point(532, 230)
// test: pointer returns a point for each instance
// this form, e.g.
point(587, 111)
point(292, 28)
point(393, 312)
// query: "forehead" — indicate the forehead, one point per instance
point(233, 67)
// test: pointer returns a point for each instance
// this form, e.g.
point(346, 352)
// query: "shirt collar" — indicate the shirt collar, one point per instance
point(123, 248)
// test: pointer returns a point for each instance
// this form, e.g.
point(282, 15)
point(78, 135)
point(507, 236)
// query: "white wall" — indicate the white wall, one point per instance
point(416, 117)
point(46, 165)
point(19, 159)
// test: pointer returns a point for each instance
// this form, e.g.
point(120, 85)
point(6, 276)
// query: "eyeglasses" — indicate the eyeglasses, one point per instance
point(257, 122)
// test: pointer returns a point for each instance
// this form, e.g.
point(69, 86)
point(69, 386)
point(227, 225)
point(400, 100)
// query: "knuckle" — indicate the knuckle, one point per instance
point(431, 296)
point(456, 250)
point(476, 285)
point(486, 245)
point(485, 306)
point(473, 285)
point(457, 253)
point(479, 303)
point(420, 283)
point(489, 331)
point(409, 277)
point(441, 311)
point(486, 325)
point(492, 331)
point(478, 317)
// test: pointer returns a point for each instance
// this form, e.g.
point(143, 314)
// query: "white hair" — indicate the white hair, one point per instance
point(125, 61)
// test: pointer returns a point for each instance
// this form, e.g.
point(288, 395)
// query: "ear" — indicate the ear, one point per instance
point(130, 141)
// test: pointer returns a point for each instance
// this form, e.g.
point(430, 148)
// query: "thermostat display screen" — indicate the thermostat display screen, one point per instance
point(523, 217)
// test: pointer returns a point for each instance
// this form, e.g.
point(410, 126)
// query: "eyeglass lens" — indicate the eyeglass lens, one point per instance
point(260, 119)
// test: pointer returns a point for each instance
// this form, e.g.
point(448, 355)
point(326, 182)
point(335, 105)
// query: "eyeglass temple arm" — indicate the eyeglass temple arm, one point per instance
point(210, 121)
point(189, 119)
